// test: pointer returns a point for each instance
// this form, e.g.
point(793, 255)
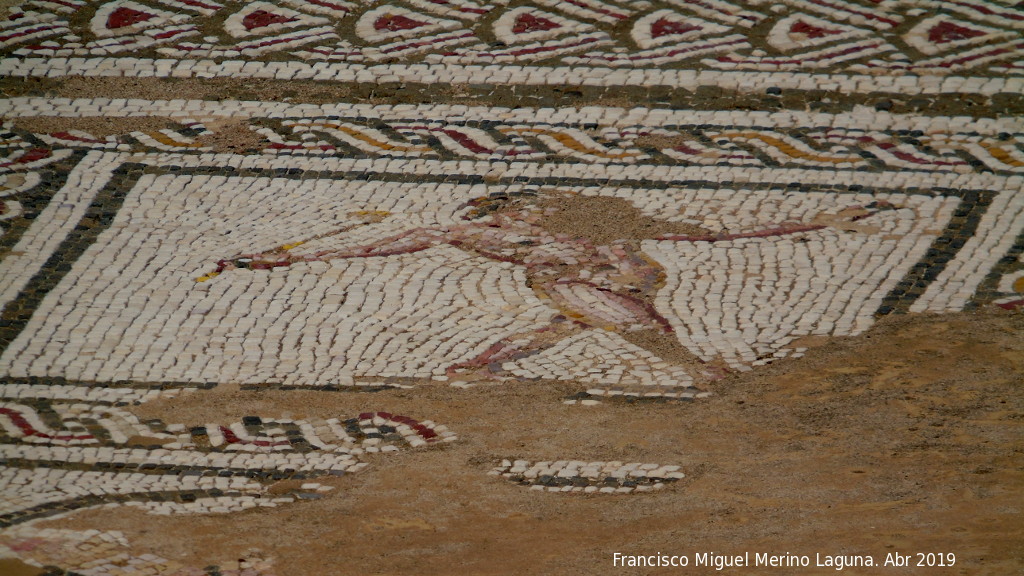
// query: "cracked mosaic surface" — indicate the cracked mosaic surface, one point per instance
point(588, 477)
point(98, 454)
point(155, 249)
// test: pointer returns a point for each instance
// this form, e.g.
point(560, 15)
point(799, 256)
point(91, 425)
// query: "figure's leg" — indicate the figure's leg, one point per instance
point(634, 317)
point(487, 366)
point(583, 306)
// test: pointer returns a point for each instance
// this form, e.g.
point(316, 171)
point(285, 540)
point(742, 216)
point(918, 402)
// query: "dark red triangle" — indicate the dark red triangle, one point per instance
point(262, 18)
point(529, 23)
point(396, 22)
point(665, 27)
point(126, 17)
point(801, 27)
point(948, 32)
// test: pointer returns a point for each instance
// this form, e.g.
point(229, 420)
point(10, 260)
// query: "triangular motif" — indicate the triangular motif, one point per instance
point(260, 18)
point(529, 24)
point(126, 17)
point(397, 23)
point(664, 27)
point(801, 31)
point(391, 23)
point(668, 27)
point(943, 33)
point(810, 31)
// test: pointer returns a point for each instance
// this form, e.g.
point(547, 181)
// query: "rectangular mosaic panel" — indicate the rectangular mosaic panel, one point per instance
point(411, 291)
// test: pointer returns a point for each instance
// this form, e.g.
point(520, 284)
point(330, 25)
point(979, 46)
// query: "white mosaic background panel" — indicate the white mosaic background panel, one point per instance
point(746, 300)
point(131, 308)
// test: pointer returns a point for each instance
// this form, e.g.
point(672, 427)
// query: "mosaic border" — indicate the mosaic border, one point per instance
point(97, 217)
point(864, 140)
point(863, 117)
point(530, 76)
point(910, 46)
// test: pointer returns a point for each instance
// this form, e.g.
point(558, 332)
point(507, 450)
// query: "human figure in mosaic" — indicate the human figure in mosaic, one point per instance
point(581, 255)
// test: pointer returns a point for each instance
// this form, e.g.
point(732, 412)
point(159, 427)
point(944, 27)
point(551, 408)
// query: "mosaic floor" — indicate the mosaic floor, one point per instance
point(632, 201)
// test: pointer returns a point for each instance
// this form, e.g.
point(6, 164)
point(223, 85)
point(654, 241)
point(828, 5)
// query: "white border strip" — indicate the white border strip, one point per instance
point(48, 230)
point(860, 118)
point(997, 230)
point(745, 81)
point(570, 172)
point(85, 393)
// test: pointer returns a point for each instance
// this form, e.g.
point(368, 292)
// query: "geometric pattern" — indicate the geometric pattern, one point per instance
point(800, 31)
point(943, 33)
point(639, 137)
point(167, 467)
point(846, 40)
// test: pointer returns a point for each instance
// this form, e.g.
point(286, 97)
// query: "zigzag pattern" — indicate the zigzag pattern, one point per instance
point(142, 462)
point(740, 146)
point(61, 424)
point(860, 36)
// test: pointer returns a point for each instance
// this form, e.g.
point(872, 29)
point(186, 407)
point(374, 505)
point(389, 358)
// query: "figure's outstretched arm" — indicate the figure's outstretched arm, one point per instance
point(407, 242)
point(845, 216)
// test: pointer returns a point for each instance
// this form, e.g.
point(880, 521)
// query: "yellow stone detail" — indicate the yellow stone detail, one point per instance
point(570, 142)
point(168, 141)
point(1002, 155)
point(789, 149)
point(372, 141)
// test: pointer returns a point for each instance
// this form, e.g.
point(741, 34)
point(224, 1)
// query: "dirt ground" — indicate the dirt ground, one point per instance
point(905, 439)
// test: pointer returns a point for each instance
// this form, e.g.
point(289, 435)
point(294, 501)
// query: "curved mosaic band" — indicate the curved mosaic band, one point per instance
point(840, 45)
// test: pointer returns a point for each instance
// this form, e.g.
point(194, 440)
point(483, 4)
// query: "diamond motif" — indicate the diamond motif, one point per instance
point(126, 17)
point(942, 34)
point(801, 31)
point(392, 23)
point(259, 18)
point(668, 27)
